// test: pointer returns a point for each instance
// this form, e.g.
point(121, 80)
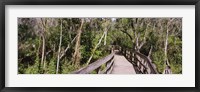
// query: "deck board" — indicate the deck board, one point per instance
point(122, 66)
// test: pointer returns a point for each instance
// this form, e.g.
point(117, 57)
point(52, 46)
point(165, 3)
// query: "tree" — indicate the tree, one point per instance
point(77, 56)
point(60, 43)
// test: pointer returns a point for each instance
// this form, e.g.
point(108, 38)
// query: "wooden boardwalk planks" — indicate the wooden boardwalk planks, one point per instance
point(122, 66)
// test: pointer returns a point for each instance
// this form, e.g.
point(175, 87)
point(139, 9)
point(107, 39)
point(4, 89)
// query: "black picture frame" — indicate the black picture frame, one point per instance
point(3, 3)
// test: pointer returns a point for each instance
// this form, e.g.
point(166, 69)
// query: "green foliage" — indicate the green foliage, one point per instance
point(51, 69)
point(94, 72)
point(158, 59)
point(33, 69)
point(175, 54)
point(21, 68)
point(67, 68)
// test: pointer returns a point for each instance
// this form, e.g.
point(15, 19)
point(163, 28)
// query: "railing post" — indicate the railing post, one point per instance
point(112, 49)
point(98, 70)
point(125, 52)
point(131, 57)
point(121, 50)
point(107, 65)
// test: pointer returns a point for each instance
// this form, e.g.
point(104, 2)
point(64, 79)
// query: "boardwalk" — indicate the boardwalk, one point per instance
point(116, 63)
point(122, 66)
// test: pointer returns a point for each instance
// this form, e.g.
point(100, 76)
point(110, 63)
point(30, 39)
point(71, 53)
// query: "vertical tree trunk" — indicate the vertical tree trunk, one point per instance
point(38, 53)
point(105, 37)
point(166, 42)
point(44, 65)
point(167, 69)
point(43, 49)
point(44, 27)
point(58, 57)
point(77, 56)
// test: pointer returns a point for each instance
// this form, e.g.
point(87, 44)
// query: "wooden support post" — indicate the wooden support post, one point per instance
point(121, 51)
point(112, 49)
point(131, 56)
point(125, 52)
point(107, 65)
point(98, 70)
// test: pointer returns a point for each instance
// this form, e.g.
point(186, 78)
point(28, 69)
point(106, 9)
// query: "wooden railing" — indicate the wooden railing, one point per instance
point(142, 63)
point(97, 66)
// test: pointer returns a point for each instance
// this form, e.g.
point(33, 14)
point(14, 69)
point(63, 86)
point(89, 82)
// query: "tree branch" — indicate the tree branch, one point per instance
point(95, 49)
point(68, 46)
point(150, 51)
point(127, 34)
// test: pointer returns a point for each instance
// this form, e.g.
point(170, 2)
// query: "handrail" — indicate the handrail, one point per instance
point(95, 65)
point(150, 65)
point(142, 62)
point(144, 66)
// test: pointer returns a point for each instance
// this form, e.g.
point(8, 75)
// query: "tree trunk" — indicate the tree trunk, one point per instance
point(43, 50)
point(44, 27)
point(95, 48)
point(77, 55)
point(167, 69)
point(105, 37)
point(58, 58)
point(38, 52)
point(44, 65)
point(150, 51)
point(166, 42)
